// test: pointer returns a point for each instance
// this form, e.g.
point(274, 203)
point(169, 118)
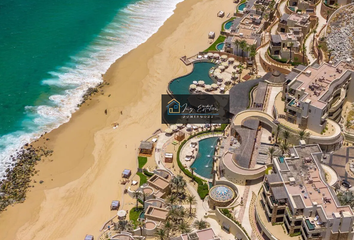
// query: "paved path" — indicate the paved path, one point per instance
point(309, 40)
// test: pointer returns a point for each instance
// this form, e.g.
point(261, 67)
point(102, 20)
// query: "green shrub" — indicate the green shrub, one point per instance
point(203, 190)
point(134, 215)
point(142, 161)
point(267, 170)
point(143, 178)
point(147, 173)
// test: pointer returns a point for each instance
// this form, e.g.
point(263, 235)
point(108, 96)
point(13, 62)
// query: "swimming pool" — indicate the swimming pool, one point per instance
point(142, 215)
point(204, 161)
point(220, 46)
point(292, 9)
point(228, 25)
point(281, 159)
point(200, 72)
point(242, 6)
point(292, 102)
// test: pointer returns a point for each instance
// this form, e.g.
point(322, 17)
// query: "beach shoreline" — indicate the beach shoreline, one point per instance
point(82, 177)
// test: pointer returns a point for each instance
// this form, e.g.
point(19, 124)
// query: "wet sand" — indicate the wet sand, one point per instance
point(83, 175)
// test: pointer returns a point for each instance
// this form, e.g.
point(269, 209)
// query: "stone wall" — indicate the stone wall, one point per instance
point(325, 10)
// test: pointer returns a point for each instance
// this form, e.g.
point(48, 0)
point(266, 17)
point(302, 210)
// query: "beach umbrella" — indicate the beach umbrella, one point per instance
point(225, 64)
point(195, 82)
point(215, 86)
point(221, 67)
point(231, 59)
point(173, 127)
point(179, 125)
point(217, 71)
point(208, 87)
point(222, 88)
point(192, 86)
point(237, 64)
point(215, 55)
point(121, 213)
point(210, 55)
point(199, 89)
point(224, 57)
point(189, 126)
point(201, 82)
point(168, 131)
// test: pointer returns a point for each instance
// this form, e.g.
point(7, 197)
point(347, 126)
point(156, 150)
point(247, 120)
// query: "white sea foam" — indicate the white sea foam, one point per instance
point(132, 26)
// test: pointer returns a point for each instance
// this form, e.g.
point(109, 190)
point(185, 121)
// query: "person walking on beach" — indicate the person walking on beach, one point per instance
point(105, 111)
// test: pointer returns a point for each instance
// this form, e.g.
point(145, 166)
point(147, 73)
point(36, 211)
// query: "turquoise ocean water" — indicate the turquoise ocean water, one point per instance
point(52, 51)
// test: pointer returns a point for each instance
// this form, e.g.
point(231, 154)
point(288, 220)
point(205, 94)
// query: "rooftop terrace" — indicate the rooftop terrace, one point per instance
point(316, 81)
point(304, 179)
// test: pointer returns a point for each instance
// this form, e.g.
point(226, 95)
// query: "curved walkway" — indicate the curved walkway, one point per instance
point(259, 115)
point(249, 173)
point(309, 40)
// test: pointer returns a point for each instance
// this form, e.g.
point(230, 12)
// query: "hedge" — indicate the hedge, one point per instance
point(147, 173)
point(203, 190)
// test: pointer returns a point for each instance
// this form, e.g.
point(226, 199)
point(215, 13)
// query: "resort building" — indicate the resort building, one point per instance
point(283, 45)
point(316, 93)
point(161, 185)
point(297, 20)
point(307, 6)
point(236, 49)
point(146, 148)
point(297, 195)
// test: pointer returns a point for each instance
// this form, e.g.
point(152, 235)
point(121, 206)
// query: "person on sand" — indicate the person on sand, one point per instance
point(105, 111)
point(121, 112)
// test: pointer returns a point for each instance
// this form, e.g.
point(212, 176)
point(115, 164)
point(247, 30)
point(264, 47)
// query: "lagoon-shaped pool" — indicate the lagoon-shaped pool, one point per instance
point(203, 163)
point(228, 25)
point(242, 6)
point(220, 46)
point(200, 72)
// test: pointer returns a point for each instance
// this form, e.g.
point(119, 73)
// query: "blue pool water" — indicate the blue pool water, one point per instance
point(228, 25)
point(204, 160)
point(142, 215)
point(200, 72)
point(281, 159)
point(292, 9)
point(220, 46)
point(292, 102)
point(242, 6)
point(53, 51)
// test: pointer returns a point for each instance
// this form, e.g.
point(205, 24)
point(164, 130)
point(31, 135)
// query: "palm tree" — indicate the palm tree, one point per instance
point(173, 214)
point(171, 200)
point(123, 225)
point(271, 152)
point(303, 53)
point(177, 182)
point(314, 34)
point(237, 44)
point(200, 224)
point(184, 228)
point(167, 227)
point(303, 134)
point(291, 47)
point(329, 54)
point(277, 136)
point(328, 13)
point(284, 146)
point(243, 46)
point(136, 195)
point(253, 53)
point(286, 135)
point(161, 233)
point(319, 47)
point(190, 200)
point(346, 198)
point(141, 225)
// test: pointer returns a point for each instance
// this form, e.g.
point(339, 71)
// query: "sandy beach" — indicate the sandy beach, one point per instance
point(83, 175)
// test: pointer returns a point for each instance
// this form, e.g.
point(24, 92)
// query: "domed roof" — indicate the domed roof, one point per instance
point(276, 73)
point(275, 77)
point(221, 193)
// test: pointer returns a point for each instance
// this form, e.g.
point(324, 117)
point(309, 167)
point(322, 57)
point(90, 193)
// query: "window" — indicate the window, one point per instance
point(281, 211)
point(279, 219)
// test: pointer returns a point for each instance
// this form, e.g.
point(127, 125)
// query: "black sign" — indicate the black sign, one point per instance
point(195, 108)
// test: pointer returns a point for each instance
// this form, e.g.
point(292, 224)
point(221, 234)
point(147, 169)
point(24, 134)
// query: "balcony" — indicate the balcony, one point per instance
point(310, 226)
